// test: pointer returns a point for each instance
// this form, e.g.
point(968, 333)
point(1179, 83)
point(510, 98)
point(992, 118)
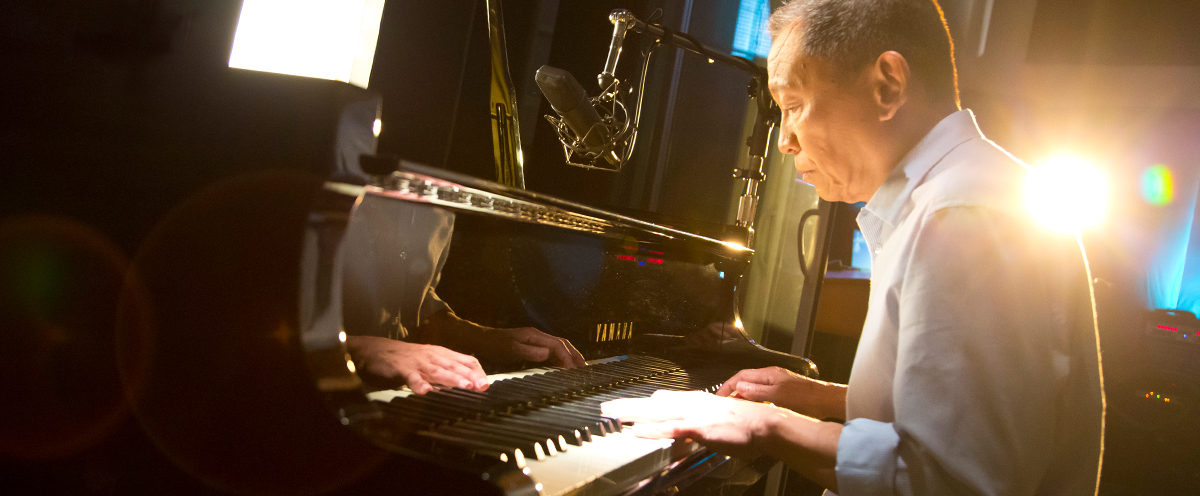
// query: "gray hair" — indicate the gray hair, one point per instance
point(853, 33)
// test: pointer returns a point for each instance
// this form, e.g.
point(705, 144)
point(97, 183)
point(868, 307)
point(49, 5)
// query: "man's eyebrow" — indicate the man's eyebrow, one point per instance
point(794, 79)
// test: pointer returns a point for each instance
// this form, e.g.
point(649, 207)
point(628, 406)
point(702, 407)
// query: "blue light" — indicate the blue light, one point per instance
point(860, 256)
point(1173, 271)
point(721, 274)
point(750, 37)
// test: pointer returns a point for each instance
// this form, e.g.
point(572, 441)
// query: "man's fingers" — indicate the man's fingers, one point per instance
point(755, 392)
point(417, 383)
point(529, 335)
point(769, 375)
point(536, 346)
point(731, 385)
point(728, 387)
point(475, 377)
point(637, 410)
point(474, 372)
point(531, 353)
point(659, 430)
point(449, 377)
point(565, 355)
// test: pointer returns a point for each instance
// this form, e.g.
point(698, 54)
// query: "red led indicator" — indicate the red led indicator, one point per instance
point(1169, 328)
point(654, 260)
point(629, 247)
point(655, 252)
point(627, 257)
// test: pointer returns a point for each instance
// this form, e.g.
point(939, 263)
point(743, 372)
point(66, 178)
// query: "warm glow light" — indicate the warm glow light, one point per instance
point(1066, 194)
point(326, 39)
point(1158, 185)
point(736, 246)
point(350, 366)
point(376, 127)
point(342, 336)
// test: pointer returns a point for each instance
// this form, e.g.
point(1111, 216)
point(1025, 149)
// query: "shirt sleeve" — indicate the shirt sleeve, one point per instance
point(439, 248)
point(981, 354)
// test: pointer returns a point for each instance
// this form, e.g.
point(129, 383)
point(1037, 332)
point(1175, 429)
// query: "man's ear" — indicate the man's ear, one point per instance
point(890, 83)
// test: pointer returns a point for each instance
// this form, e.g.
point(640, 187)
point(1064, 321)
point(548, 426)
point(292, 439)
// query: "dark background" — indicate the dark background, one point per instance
point(116, 111)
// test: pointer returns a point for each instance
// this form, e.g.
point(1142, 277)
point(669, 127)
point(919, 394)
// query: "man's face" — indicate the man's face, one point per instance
point(827, 124)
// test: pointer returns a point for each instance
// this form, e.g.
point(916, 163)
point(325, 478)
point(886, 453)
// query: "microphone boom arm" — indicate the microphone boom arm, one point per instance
point(766, 119)
point(619, 129)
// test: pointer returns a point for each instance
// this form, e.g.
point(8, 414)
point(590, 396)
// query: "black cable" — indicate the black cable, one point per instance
point(800, 240)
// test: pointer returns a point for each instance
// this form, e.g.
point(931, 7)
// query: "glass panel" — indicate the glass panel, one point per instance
point(775, 284)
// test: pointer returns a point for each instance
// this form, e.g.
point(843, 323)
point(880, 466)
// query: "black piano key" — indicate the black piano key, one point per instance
point(539, 388)
point(539, 433)
point(469, 404)
point(419, 403)
point(410, 421)
point(594, 426)
point(550, 386)
point(455, 403)
point(599, 398)
point(516, 395)
point(576, 430)
point(569, 433)
point(548, 442)
point(585, 427)
point(528, 446)
point(477, 445)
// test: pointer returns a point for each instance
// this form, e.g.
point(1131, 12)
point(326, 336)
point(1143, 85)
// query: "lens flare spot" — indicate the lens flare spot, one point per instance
point(1066, 194)
point(1158, 185)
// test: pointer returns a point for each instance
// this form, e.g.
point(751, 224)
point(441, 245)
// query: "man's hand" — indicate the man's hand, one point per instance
point(498, 345)
point(730, 426)
point(787, 389)
point(420, 366)
point(735, 427)
point(529, 344)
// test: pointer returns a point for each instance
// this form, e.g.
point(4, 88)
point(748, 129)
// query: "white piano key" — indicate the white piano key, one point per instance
point(606, 465)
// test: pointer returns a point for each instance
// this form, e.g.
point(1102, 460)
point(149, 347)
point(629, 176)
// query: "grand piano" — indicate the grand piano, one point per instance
point(234, 313)
point(251, 282)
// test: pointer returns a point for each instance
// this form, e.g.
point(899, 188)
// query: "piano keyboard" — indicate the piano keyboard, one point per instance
point(549, 421)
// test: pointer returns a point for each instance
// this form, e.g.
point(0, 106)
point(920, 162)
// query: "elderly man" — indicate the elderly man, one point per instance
point(978, 367)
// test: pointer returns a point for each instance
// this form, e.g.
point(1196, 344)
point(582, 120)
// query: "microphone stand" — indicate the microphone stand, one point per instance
point(766, 118)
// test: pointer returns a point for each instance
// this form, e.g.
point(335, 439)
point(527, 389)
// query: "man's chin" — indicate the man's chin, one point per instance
point(825, 194)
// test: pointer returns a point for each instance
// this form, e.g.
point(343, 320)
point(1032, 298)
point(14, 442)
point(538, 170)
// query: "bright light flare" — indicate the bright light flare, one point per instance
point(326, 39)
point(1067, 194)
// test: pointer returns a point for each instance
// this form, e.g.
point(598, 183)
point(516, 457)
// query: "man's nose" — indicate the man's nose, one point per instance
point(788, 143)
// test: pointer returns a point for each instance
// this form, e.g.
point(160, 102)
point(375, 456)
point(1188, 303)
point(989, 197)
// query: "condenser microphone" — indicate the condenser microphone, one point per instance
point(569, 100)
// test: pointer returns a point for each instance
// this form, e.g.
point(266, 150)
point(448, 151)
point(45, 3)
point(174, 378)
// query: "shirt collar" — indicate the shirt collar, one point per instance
point(888, 202)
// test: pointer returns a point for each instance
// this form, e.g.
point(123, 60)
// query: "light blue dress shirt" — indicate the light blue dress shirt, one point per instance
point(978, 368)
